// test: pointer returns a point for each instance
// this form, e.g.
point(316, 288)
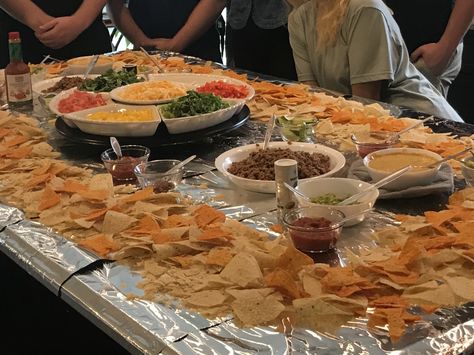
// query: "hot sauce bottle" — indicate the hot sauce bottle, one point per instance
point(18, 77)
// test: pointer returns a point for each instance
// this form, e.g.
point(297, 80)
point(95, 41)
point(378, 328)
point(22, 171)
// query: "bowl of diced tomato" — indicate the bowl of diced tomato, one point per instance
point(74, 100)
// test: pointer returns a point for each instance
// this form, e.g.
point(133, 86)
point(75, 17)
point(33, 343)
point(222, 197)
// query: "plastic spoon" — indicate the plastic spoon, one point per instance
point(91, 65)
point(296, 192)
point(449, 157)
point(398, 134)
point(153, 60)
point(378, 184)
point(116, 147)
point(180, 165)
point(348, 218)
point(268, 132)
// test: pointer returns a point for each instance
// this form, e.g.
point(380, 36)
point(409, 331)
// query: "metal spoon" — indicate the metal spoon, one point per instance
point(91, 65)
point(180, 165)
point(116, 147)
point(382, 182)
point(449, 157)
point(296, 192)
point(268, 132)
point(396, 135)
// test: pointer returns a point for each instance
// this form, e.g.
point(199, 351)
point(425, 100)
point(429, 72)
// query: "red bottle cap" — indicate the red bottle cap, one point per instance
point(13, 35)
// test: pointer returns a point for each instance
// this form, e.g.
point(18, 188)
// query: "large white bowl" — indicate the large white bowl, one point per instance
point(193, 81)
point(410, 178)
point(118, 129)
point(194, 123)
point(39, 86)
point(223, 162)
point(342, 188)
point(79, 65)
point(54, 103)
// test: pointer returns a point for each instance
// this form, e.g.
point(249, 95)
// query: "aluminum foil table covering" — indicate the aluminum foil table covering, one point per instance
point(47, 256)
point(9, 215)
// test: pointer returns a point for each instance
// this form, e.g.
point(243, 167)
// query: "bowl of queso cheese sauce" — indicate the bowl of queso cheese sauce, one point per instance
point(384, 162)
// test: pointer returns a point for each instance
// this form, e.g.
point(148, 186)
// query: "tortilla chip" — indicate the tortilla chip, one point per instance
point(101, 244)
point(49, 198)
point(283, 281)
point(116, 222)
point(243, 270)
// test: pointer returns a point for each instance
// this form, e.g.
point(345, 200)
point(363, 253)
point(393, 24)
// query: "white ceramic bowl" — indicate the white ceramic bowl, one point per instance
point(54, 103)
point(194, 123)
point(342, 188)
point(39, 86)
point(193, 81)
point(79, 65)
point(410, 178)
point(116, 94)
point(223, 162)
point(116, 128)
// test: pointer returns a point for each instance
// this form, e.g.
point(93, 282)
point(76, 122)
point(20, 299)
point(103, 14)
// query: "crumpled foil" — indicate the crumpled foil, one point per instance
point(9, 215)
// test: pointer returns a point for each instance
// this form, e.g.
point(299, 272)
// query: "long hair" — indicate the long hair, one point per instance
point(329, 17)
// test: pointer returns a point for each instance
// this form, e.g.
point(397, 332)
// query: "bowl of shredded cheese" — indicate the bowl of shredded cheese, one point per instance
point(118, 120)
point(149, 92)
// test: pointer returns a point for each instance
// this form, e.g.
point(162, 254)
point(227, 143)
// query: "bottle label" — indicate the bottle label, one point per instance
point(19, 88)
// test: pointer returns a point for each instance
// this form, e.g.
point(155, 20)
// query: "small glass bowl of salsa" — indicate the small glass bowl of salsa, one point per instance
point(153, 173)
point(122, 169)
point(368, 142)
point(313, 229)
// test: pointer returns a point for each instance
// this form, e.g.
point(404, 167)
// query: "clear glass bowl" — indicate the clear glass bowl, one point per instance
point(297, 130)
point(308, 234)
point(368, 142)
point(122, 169)
point(153, 173)
point(467, 171)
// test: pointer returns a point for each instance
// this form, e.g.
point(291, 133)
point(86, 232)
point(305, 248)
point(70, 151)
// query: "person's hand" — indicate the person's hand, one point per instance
point(166, 44)
point(59, 32)
point(435, 56)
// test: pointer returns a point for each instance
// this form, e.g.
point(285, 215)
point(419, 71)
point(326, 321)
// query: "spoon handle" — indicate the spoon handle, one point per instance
point(116, 147)
point(91, 65)
point(419, 123)
point(268, 132)
point(153, 60)
point(296, 192)
point(449, 157)
point(180, 165)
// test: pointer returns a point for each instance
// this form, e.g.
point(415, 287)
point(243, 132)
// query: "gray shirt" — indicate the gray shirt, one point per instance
point(267, 14)
point(368, 48)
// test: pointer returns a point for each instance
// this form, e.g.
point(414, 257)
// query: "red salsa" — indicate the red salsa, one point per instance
point(122, 169)
point(223, 89)
point(314, 234)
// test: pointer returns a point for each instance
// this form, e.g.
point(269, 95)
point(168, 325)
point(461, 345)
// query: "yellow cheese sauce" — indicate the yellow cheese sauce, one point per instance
point(122, 115)
point(390, 162)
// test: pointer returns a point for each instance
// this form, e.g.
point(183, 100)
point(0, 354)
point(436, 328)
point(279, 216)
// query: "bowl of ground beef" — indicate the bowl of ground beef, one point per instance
point(252, 168)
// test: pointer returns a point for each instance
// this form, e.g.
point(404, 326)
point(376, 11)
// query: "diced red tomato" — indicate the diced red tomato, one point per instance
point(223, 89)
point(80, 100)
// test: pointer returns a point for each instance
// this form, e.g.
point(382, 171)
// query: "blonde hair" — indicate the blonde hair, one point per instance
point(329, 17)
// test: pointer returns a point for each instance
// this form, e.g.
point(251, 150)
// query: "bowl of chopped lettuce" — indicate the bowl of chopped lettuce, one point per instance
point(110, 80)
point(330, 191)
point(196, 111)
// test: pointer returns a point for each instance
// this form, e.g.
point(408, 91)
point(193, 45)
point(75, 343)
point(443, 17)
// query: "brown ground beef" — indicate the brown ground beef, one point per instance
point(65, 84)
point(259, 165)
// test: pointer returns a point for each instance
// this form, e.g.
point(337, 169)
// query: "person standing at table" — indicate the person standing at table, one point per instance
point(62, 29)
point(258, 35)
point(184, 26)
point(433, 31)
point(355, 47)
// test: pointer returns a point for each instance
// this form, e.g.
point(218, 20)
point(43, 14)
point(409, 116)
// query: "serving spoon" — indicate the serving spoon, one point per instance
point(348, 218)
point(153, 60)
point(397, 135)
point(179, 165)
point(449, 157)
point(116, 147)
point(269, 131)
point(395, 175)
point(91, 65)
point(296, 192)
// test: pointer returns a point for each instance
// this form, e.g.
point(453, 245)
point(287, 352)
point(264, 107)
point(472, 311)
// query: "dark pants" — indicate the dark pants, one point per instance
point(263, 51)
point(461, 91)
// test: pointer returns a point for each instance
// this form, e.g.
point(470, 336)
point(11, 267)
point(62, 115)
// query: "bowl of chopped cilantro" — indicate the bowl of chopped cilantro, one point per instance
point(330, 191)
point(196, 111)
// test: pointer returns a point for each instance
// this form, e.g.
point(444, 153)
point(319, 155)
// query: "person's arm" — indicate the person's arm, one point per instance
point(63, 30)
point(437, 55)
point(201, 19)
point(27, 12)
point(122, 18)
point(369, 90)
